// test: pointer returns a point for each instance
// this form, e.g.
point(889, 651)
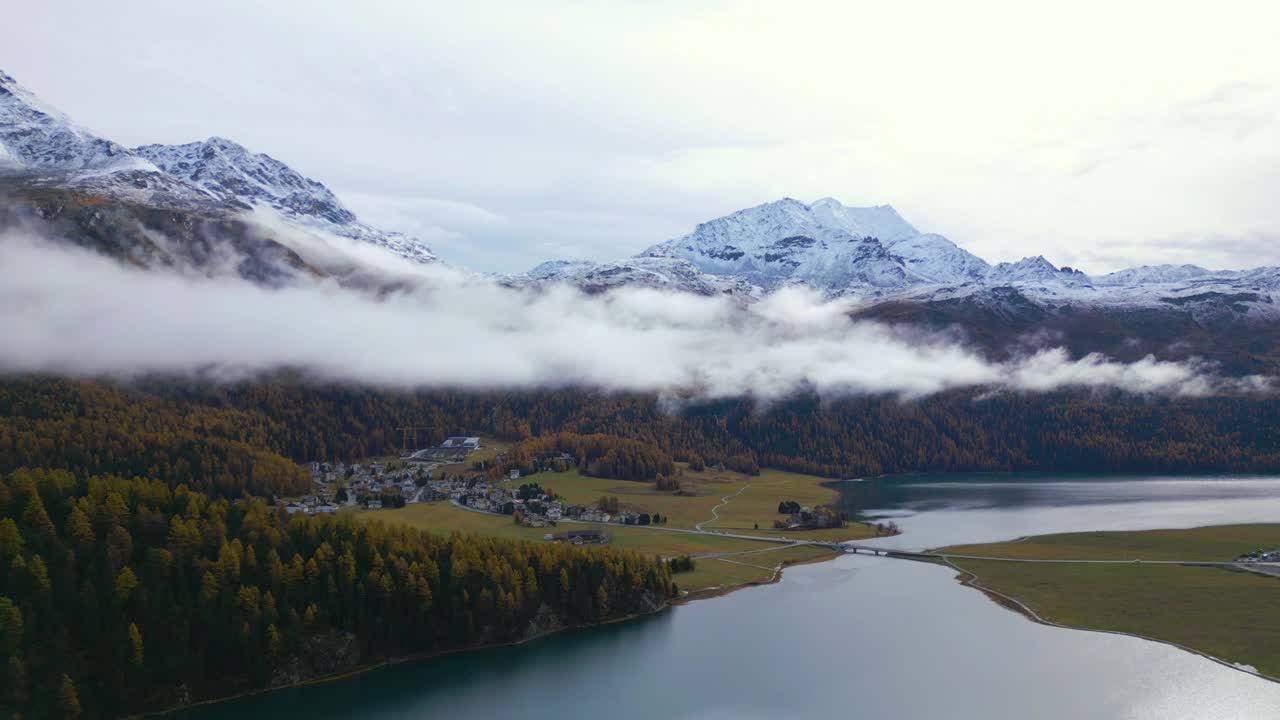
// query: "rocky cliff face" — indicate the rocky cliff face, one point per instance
point(327, 654)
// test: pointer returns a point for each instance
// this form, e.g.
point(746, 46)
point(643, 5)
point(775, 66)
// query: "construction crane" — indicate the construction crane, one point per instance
point(405, 449)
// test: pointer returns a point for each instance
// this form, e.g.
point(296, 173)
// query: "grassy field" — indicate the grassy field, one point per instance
point(1220, 543)
point(1226, 613)
point(752, 501)
point(444, 518)
point(754, 567)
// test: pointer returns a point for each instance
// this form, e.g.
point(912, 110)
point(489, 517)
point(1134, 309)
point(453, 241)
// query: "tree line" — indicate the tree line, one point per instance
point(596, 455)
point(229, 439)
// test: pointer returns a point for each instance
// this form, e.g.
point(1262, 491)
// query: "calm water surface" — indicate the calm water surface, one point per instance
point(855, 637)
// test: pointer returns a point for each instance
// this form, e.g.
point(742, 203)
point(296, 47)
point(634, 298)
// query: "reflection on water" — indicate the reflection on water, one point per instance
point(942, 510)
point(859, 636)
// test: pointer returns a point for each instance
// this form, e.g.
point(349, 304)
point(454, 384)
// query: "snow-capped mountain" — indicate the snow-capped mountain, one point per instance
point(231, 174)
point(63, 172)
point(825, 244)
point(183, 206)
point(877, 256)
point(786, 240)
point(1034, 270)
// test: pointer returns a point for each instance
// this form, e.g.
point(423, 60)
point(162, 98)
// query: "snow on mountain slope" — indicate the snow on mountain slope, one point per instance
point(1035, 270)
point(561, 269)
point(653, 272)
point(1149, 274)
point(41, 148)
point(34, 136)
point(938, 259)
point(881, 221)
point(782, 241)
point(230, 173)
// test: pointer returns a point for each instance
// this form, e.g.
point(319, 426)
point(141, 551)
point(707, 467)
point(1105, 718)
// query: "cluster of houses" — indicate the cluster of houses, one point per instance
point(363, 484)
point(311, 505)
point(414, 479)
point(375, 485)
point(533, 507)
point(803, 517)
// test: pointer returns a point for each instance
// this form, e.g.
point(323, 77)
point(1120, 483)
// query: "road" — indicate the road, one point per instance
point(1273, 569)
point(1265, 568)
point(697, 530)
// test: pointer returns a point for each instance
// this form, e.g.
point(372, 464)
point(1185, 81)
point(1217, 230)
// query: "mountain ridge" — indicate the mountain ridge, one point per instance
point(41, 148)
point(62, 171)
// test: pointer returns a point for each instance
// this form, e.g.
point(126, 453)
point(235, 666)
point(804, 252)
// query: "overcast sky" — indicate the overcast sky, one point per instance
point(1100, 134)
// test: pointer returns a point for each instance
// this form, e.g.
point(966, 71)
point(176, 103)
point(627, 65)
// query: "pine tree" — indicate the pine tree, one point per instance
point(135, 644)
point(68, 699)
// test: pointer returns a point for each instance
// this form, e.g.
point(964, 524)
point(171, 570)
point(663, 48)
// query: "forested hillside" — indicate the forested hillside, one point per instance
point(228, 439)
point(121, 595)
point(594, 455)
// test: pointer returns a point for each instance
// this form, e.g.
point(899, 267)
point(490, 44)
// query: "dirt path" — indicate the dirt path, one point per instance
point(715, 511)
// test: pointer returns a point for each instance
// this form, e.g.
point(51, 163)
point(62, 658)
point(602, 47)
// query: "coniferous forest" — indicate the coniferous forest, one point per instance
point(227, 440)
point(119, 595)
point(141, 564)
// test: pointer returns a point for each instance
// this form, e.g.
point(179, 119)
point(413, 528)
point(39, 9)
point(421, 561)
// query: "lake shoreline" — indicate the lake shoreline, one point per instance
point(691, 597)
point(366, 668)
point(710, 593)
point(970, 579)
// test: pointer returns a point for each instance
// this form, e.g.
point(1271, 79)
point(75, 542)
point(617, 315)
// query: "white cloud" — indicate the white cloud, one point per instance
point(67, 310)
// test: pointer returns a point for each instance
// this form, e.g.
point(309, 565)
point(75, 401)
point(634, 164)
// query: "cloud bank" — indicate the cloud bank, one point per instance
point(69, 311)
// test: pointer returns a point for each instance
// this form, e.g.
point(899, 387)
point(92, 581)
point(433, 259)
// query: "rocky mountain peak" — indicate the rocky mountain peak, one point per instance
point(37, 137)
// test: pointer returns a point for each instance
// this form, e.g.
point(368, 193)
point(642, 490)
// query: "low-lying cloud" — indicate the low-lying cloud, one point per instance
point(69, 311)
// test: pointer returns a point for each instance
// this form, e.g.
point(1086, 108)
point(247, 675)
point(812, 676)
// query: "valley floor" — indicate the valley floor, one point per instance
point(1226, 612)
point(714, 502)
